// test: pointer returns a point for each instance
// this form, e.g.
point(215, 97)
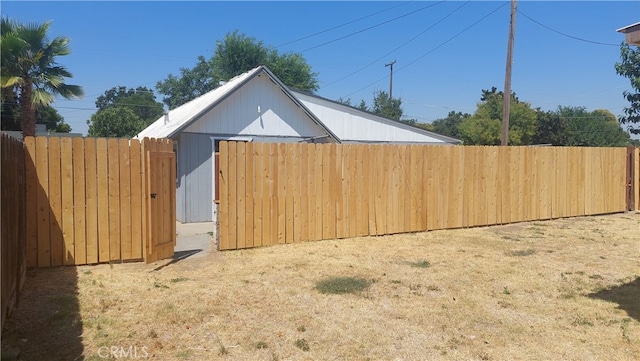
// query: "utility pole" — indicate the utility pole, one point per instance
point(506, 106)
point(390, 79)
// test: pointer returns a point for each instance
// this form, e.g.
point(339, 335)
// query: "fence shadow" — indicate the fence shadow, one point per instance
point(46, 322)
point(625, 295)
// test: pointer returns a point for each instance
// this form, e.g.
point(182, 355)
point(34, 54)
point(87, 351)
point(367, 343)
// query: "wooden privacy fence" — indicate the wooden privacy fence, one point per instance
point(87, 199)
point(12, 219)
point(283, 193)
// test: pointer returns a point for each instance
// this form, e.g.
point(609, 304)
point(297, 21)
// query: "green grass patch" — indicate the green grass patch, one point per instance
point(342, 285)
point(420, 264)
point(521, 252)
point(179, 279)
point(302, 344)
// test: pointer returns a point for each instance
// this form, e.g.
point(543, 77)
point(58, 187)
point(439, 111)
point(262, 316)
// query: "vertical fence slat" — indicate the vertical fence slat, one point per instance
point(318, 171)
point(55, 202)
point(225, 204)
point(248, 194)
point(258, 198)
point(102, 171)
point(31, 201)
point(44, 209)
point(304, 193)
point(114, 199)
point(137, 198)
point(126, 237)
point(67, 186)
point(79, 202)
point(296, 199)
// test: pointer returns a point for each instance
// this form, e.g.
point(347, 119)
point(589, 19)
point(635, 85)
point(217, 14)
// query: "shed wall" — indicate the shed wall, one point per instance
point(259, 108)
point(194, 197)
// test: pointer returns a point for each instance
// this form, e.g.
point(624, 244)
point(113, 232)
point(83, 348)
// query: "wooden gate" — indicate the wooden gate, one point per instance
point(160, 203)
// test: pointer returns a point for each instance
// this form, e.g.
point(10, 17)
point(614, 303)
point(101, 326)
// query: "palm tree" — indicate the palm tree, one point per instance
point(29, 68)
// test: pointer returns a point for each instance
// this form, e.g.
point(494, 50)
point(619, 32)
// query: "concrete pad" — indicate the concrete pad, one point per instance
point(193, 239)
point(194, 228)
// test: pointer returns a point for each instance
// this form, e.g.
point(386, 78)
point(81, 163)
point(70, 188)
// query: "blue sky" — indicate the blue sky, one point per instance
point(443, 60)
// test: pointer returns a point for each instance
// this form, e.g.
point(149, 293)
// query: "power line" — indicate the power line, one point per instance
point(434, 49)
point(398, 48)
point(373, 26)
point(341, 25)
point(564, 34)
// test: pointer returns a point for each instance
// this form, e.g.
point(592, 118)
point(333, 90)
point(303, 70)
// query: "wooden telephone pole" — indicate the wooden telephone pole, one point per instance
point(506, 103)
point(391, 79)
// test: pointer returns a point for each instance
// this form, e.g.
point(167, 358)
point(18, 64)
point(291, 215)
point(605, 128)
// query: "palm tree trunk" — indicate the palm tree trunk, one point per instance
point(27, 115)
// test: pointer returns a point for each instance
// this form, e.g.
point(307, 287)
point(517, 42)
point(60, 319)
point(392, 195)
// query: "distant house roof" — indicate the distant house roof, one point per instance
point(632, 33)
point(173, 122)
point(354, 125)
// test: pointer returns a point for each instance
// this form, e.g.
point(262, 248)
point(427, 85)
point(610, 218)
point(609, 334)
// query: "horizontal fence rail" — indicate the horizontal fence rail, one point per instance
point(282, 193)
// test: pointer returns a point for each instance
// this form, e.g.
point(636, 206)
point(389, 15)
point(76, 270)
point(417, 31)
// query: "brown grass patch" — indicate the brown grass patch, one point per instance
point(575, 298)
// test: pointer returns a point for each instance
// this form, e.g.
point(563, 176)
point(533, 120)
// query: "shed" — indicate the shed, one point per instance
point(257, 107)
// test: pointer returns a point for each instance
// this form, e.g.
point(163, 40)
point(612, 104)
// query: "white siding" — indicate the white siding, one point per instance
point(238, 114)
point(352, 125)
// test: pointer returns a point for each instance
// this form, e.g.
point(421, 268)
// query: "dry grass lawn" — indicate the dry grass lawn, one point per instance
point(565, 289)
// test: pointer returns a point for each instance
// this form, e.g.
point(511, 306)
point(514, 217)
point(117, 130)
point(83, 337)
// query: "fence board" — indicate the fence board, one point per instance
point(224, 220)
point(42, 168)
point(274, 196)
point(67, 185)
point(296, 199)
point(249, 194)
point(114, 199)
point(289, 192)
point(79, 202)
point(258, 156)
point(137, 199)
point(124, 184)
point(31, 202)
point(282, 194)
point(55, 203)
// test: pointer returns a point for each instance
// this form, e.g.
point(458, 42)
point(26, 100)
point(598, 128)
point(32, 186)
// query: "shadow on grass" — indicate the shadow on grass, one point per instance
point(47, 324)
point(178, 256)
point(626, 295)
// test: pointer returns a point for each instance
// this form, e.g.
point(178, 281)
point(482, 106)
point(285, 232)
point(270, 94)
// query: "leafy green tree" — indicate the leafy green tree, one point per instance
point(592, 129)
point(44, 114)
point(121, 122)
point(480, 131)
point(551, 129)
point(629, 67)
point(236, 54)
point(484, 127)
point(141, 100)
point(387, 107)
point(449, 125)
point(52, 119)
point(29, 68)
point(191, 84)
